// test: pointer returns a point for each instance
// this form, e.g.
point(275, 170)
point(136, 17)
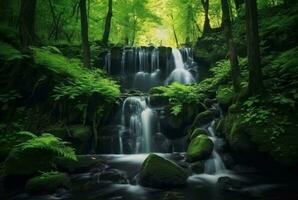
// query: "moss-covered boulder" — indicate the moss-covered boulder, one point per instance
point(159, 172)
point(199, 148)
point(197, 132)
point(202, 119)
point(82, 164)
point(48, 183)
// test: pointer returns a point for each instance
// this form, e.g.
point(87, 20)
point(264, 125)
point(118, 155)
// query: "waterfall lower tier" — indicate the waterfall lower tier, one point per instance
point(137, 125)
point(214, 164)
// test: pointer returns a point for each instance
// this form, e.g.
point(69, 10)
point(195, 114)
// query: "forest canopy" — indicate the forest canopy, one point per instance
point(133, 22)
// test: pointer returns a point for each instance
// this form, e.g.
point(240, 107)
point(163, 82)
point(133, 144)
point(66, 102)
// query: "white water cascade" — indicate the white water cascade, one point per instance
point(180, 73)
point(214, 165)
point(137, 118)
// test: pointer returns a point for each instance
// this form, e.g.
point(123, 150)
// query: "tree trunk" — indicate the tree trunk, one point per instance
point(227, 28)
point(84, 34)
point(207, 27)
point(174, 31)
point(255, 85)
point(27, 23)
point(106, 34)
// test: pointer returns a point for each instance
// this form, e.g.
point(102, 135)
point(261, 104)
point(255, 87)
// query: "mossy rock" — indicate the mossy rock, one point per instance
point(197, 167)
point(202, 119)
point(197, 132)
point(158, 172)
point(199, 148)
point(29, 162)
point(48, 183)
point(84, 163)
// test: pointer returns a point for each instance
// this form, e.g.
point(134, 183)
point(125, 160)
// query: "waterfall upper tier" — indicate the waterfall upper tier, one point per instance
point(145, 67)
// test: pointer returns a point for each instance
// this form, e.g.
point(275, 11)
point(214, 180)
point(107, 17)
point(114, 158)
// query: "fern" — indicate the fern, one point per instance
point(47, 142)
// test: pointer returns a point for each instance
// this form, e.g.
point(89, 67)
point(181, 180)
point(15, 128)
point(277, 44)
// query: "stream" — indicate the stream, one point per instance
point(139, 126)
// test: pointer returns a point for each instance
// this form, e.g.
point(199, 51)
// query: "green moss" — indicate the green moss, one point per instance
point(199, 148)
point(197, 132)
point(48, 183)
point(159, 172)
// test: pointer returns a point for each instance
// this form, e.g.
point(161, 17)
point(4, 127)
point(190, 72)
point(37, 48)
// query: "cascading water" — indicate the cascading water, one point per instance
point(142, 68)
point(180, 73)
point(214, 164)
point(137, 121)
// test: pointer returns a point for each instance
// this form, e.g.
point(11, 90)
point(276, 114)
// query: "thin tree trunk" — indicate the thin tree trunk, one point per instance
point(27, 23)
point(255, 85)
point(106, 34)
point(174, 31)
point(84, 34)
point(226, 24)
point(207, 27)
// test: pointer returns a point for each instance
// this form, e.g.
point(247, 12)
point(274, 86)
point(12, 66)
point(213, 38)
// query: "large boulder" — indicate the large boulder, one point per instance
point(197, 132)
point(202, 119)
point(158, 172)
point(113, 176)
point(199, 148)
point(48, 183)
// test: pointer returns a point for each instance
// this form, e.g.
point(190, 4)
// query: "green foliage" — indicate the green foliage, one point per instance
point(36, 153)
point(224, 95)
point(220, 75)
point(9, 53)
point(47, 142)
point(178, 95)
point(80, 82)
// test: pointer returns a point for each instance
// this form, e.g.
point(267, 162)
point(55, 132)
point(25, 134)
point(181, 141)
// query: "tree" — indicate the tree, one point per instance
point(207, 27)
point(174, 31)
point(255, 84)
point(106, 34)
point(84, 34)
point(27, 23)
point(226, 24)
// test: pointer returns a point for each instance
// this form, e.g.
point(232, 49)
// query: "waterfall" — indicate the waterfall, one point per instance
point(180, 73)
point(142, 68)
point(137, 120)
point(214, 164)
